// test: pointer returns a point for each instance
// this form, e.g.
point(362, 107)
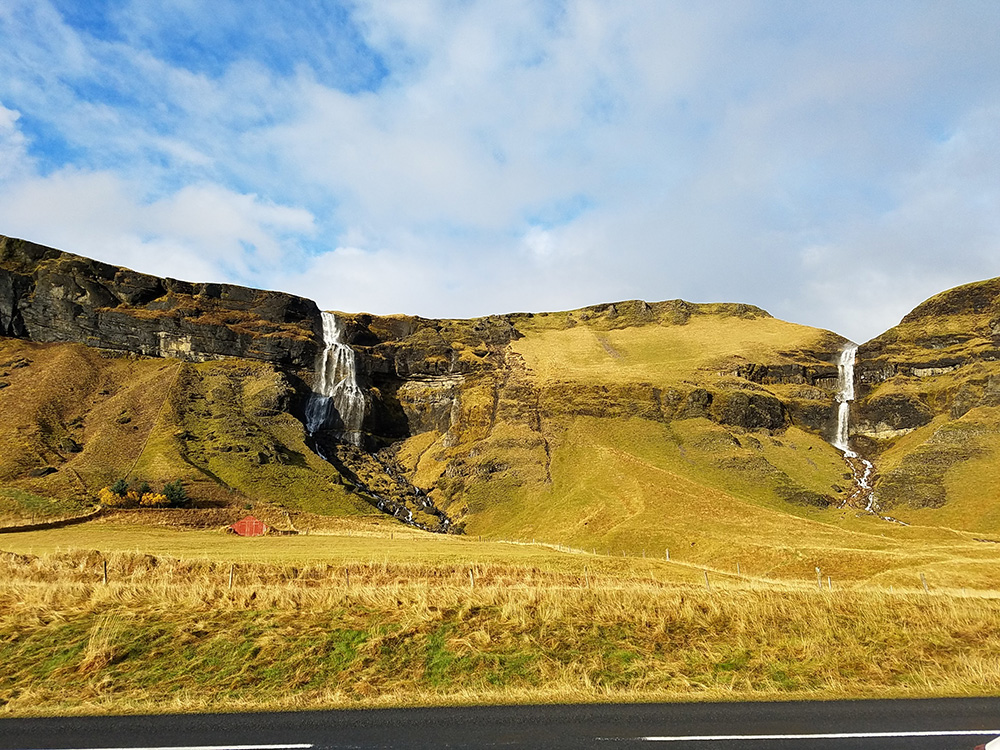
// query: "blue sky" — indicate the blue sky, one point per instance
point(832, 162)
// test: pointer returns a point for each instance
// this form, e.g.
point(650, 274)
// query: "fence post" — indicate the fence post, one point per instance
point(105, 572)
point(668, 554)
point(738, 571)
point(924, 581)
point(232, 569)
point(819, 579)
point(472, 579)
point(707, 586)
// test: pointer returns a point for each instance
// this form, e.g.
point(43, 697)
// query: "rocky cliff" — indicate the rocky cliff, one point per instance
point(928, 394)
point(49, 295)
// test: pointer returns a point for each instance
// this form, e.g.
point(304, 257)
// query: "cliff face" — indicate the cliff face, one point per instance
point(47, 295)
point(928, 394)
point(417, 369)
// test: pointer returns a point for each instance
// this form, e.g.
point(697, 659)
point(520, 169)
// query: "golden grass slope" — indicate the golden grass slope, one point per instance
point(707, 343)
point(76, 419)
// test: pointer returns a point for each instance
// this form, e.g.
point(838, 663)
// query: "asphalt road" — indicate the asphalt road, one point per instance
point(957, 724)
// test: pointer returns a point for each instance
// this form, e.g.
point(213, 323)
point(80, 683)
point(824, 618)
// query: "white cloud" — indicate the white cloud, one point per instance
point(199, 233)
point(817, 161)
point(539, 242)
point(14, 161)
point(354, 280)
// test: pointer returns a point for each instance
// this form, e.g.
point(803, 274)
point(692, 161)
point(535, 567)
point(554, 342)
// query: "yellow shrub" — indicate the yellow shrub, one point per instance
point(154, 500)
point(111, 499)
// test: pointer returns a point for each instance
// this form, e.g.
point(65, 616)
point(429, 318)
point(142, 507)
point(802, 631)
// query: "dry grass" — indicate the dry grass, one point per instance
point(663, 355)
point(168, 634)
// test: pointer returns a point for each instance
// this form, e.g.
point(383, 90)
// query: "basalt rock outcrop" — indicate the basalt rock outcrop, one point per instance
point(418, 369)
point(805, 387)
point(50, 296)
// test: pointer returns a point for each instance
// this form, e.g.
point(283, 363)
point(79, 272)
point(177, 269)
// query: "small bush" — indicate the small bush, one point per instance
point(154, 500)
point(119, 496)
point(111, 499)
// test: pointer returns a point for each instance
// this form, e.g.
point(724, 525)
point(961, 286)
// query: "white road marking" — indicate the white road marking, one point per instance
point(831, 736)
point(205, 747)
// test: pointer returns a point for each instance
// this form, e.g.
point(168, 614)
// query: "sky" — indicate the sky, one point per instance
point(832, 162)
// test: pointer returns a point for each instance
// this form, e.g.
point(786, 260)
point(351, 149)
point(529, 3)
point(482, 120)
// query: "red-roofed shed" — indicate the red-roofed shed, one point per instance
point(249, 526)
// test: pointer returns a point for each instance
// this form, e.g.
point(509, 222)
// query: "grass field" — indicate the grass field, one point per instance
point(363, 620)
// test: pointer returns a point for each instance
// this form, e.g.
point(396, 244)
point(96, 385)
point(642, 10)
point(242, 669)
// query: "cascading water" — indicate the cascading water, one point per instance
point(845, 395)
point(862, 468)
point(338, 406)
point(338, 401)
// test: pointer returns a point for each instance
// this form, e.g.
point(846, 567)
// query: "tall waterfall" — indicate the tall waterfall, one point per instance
point(862, 468)
point(338, 401)
point(845, 395)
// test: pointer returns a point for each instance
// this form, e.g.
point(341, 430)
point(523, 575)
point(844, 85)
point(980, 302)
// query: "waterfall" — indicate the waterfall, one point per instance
point(862, 468)
point(337, 407)
point(845, 395)
point(337, 401)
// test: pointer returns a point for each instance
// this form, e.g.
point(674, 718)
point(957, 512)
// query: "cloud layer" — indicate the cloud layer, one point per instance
point(834, 163)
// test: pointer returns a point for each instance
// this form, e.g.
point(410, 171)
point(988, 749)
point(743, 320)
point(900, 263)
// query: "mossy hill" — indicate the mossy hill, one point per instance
point(631, 425)
point(929, 410)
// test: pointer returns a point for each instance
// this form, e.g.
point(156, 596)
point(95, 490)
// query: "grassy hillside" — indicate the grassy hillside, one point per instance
point(931, 410)
point(626, 427)
point(709, 340)
point(76, 419)
point(630, 427)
